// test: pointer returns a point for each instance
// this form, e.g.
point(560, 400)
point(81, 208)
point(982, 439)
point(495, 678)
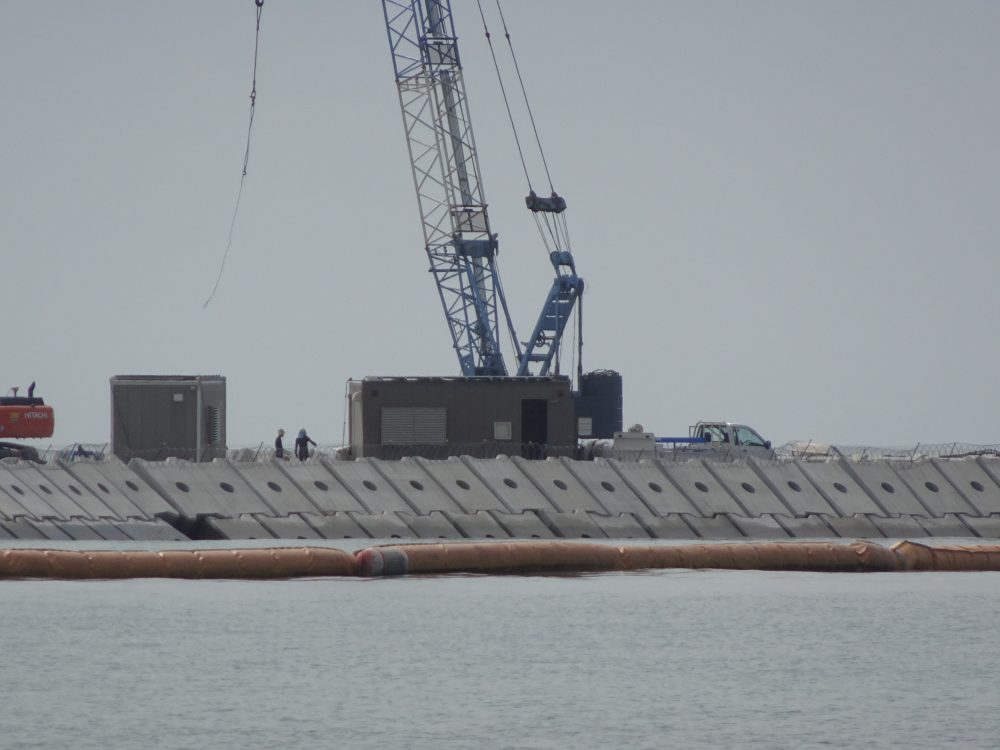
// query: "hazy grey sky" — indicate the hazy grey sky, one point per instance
point(786, 213)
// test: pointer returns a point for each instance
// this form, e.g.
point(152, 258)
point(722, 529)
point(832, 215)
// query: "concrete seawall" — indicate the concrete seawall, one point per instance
point(502, 498)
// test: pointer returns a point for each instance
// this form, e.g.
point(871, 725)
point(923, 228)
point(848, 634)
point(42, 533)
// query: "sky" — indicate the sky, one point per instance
point(786, 213)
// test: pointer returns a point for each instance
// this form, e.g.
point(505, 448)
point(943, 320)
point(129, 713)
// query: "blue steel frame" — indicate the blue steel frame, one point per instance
point(453, 210)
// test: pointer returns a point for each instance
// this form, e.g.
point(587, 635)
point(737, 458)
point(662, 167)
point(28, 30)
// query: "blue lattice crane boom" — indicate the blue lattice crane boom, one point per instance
point(460, 244)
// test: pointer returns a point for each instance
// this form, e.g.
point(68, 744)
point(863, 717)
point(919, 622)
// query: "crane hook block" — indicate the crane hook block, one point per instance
point(260, 3)
point(554, 204)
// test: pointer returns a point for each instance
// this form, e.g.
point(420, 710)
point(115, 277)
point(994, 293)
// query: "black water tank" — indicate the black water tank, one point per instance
point(600, 400)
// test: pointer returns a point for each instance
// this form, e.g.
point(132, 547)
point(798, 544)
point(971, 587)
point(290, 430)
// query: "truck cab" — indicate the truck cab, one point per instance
point(738, 440)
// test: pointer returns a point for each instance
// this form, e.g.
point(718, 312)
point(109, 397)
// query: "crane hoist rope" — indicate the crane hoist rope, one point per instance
point(246, 155)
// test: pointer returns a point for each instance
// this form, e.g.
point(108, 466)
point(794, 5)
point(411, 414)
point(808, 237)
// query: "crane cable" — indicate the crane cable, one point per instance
point(246, 155)
point(503, 90)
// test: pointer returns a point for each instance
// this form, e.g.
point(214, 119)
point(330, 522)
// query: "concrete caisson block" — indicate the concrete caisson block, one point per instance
point(478, 525)
point(517, 493)
point(750, 491)
point(570, 525)
point(557, 483)
point(367, 486)
point(621, 526)
point(604, 483)
point(76, 529)
point(972, 481)
point(338, 525)
point(465, 488)
point(670, 526)
point(281, 494)
point(987, 527)
point(648, 481)
point(839, 488)
point(932, 488)
point(949, 525)
point(433, 525)
point(383, 525)
point(240, 527)
point(526, 525)
point(20, 528)
point(321, 486)
point(119, 476)
point(759, 527)
point(88, 476)
point(853, 527)
point(409, 479)
point(787, 481)
point(31, 490)
point(291, 526)
point(899, 527)
point(701, 487)
point(807, 527)
point(714, 527)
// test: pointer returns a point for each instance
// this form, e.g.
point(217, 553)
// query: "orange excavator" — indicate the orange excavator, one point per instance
point(24, 417)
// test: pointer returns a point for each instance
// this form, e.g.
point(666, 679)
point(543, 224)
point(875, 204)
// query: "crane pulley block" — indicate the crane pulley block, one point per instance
point(554, 204)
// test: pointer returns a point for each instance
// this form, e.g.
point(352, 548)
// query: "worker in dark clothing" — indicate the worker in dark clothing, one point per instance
point(279, 446)
point(302, 445)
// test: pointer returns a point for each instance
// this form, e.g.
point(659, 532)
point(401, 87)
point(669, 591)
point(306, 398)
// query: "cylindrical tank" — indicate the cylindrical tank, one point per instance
point(600, 402)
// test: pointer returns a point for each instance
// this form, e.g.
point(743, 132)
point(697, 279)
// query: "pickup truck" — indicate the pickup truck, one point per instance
point(719, 441)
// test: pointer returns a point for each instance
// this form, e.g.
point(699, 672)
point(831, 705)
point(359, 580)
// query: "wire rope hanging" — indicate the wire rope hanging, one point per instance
point(246, 156)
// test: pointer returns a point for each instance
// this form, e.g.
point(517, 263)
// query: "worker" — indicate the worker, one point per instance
point(279, 446)
point(302, 445)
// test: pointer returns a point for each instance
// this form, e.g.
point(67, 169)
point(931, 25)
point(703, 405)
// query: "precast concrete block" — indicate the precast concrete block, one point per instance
point(468, 491)
point(701, 487)
point(240, 527)
point(759, 527)
point(28, 486)
point(21, 528)
point(988, 527)
point(932, 488)
point(5, 534)
point(898, 527)
point(839, 488)
point(383, 525)
point(279, 492)
point(714, 527)
point(991, 466)
point(57, 480)
point(119, 476)
point(890, 492)
point(478, 525)
point(433, 525)
point(76, 529)
point(554, 480)
point(525, 525)
point(647, 481)
point(571, 525)
point(806, 527)
point(971, 480)
point(369, 487)
point(621, 526)
point(106, 529)
point(89, 478)
point(196, 489)
point(853, 527)
point(670, 526)
point(603, 482)
point(420, 490)
point(155, 530)
point(337, 525)
point(9, 507)
point(787, 481)
point(291, 526)
point(322, 488)
point(949, 525)
point(747, 487)
point(517, 493)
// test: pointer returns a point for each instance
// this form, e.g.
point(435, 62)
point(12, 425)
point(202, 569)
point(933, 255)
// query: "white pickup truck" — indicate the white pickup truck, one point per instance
point(719, 441)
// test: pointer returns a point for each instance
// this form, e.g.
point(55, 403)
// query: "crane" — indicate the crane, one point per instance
point(460, 243)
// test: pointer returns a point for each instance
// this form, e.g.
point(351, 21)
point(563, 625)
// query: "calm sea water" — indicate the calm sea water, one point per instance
point(694, 659)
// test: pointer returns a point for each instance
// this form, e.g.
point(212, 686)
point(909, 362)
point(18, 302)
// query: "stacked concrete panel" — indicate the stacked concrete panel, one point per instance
point(978, 488)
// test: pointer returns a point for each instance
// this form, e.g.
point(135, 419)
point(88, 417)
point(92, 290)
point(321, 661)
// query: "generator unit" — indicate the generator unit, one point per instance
point(162, 416)
point(437, 417)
